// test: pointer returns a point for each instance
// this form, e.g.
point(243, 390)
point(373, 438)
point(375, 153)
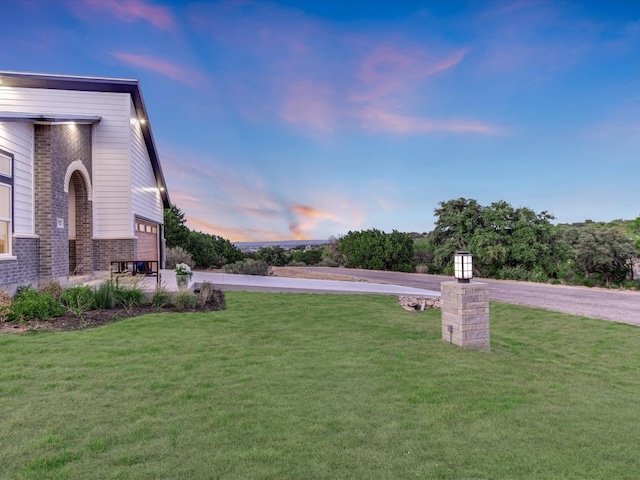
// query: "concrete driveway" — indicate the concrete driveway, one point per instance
point(226, 281)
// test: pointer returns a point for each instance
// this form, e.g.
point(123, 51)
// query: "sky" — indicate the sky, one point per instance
point(306, 119)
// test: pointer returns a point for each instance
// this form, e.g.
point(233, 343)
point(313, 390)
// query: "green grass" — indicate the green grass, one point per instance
point(321, 387)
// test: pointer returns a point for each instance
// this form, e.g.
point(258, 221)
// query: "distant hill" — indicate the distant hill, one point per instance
point(286, 244)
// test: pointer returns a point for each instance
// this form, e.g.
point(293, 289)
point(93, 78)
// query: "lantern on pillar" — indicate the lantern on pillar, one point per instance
point(463, 266)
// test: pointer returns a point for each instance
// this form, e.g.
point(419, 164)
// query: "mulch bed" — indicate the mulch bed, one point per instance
point(90, 319)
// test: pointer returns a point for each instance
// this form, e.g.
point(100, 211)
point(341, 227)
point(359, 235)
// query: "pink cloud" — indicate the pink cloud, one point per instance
point(388, 70)
point(236, 234)
point(135, 10)
point(243, 206)
point(309, 104)
point(163, 67)
point(380, 120)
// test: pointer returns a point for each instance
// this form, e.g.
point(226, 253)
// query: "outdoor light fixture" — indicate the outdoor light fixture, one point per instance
point(463, 266)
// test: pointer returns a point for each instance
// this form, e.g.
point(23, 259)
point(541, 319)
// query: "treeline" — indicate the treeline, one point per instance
point(521, 244)
point(199, 250)
point(507, 243)
point(205, 251)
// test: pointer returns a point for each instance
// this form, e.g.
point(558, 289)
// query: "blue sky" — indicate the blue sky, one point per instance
point(306, 119)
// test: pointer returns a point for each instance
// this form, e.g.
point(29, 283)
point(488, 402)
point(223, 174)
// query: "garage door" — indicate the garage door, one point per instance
point(147, 233)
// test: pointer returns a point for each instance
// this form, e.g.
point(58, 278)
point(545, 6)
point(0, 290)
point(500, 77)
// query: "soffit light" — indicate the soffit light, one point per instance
point(463, 266)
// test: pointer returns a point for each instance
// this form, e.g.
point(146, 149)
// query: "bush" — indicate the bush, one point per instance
point(29, 304)
point(307, 257)
point(275, 256)
point(78, 299)
point(210, 251)
point(161, 297)
point(249, 267)
point(176, 255)
point(376, 250)
point(331, 256)
point(185, 301)
point(5, 305)
point(129, 297)
point(208, 295)
point(54, 288)
point(422, 268)
point(105, 296)
point(520, 273)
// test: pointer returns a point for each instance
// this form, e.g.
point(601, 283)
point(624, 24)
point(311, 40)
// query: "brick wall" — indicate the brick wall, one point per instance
point(106, 251)
point(56, 146)
point(83, 246)
point(42, 197)
point(25, 269)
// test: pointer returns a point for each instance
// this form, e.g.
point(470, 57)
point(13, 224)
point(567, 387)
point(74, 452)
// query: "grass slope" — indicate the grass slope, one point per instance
point(321, 386)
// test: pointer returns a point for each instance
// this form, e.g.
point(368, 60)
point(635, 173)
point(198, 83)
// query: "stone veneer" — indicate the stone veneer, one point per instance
point(465, 314)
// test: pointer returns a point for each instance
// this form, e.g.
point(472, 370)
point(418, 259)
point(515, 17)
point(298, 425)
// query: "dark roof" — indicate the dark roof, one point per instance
point(97, 84)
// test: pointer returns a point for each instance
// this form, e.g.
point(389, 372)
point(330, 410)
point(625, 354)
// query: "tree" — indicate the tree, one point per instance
point(505, 241)
point(456, 224)
point(275, 256)
point(176, 233)
point(376, 250)
point(607, 253)
point(211, 251)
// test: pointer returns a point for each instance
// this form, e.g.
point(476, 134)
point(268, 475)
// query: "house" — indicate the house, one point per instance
point(80, 179)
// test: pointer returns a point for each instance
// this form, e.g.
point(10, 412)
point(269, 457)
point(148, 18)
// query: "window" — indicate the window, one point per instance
point(6, 196)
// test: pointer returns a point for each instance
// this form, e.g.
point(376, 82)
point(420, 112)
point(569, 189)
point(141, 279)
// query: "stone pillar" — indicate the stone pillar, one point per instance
point(465, 314)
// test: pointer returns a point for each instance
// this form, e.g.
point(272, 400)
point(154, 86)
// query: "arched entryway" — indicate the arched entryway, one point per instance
point(80, 225)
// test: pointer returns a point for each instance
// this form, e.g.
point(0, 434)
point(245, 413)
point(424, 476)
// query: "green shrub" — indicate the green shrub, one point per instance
point(249, 267)
point(275, 256)
point(78, 299)
point(307, 257)
point(185, 300)
point(177, 255)
point(377, 250)
point(105, 296)
point(129, 297)
point(208, 295)
point(29, 304)
point(54, 288)
point(161, 298)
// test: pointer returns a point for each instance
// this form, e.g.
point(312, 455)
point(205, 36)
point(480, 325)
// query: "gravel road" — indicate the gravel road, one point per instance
point(615, 305)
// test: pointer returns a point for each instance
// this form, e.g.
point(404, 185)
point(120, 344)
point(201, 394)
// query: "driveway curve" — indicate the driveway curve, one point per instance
point(615, 305)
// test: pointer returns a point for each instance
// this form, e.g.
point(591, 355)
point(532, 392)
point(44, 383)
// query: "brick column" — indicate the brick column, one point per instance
point(465, 315)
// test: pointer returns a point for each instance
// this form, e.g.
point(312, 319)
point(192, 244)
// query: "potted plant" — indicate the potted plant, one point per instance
point(183, 276)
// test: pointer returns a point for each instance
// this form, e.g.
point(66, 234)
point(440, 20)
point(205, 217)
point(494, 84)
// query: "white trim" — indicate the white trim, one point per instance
point(25, 235)
point(78, 166)
point(4, 257)
point(114, 238)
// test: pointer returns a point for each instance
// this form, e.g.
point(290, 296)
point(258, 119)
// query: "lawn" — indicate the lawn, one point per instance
point(283, 386)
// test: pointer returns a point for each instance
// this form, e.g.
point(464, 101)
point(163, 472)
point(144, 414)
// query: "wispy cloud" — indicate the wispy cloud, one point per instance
point(135, 10)
point(236, 234)
point(241, 206)
point(380, 120)
point(169, 69)
point(389, 70)
point(321, 78)
point(309, 105)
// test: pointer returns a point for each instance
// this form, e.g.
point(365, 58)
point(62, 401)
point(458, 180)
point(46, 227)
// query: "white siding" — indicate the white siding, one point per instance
point(146, 201)
point(17, 138)
point(111, 147)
